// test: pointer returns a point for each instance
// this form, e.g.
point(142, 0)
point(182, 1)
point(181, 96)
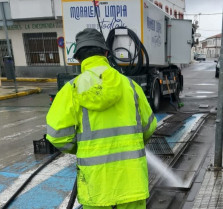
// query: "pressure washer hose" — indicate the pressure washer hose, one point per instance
point(73, 195)
point(139, 52)
point(53, 157)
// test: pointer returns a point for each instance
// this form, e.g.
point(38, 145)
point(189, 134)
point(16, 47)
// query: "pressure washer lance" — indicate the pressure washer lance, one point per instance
point(171, 100)
point(179, 103)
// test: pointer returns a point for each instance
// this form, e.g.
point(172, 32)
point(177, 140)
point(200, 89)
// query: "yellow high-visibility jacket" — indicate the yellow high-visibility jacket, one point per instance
point(105, 119)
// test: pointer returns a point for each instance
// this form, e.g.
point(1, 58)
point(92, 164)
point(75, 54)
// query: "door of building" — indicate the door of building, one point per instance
point(3, 53)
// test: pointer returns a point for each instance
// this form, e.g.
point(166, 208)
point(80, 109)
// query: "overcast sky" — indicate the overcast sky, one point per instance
point(209, 25)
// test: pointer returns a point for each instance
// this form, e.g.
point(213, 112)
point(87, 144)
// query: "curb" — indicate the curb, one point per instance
point(19, 94)
point(32, 79)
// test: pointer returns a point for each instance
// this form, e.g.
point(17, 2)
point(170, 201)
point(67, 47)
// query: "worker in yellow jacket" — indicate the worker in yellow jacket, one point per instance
point(104, 118)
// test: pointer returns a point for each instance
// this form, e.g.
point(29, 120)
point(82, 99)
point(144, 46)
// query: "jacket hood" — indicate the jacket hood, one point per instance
point(99, 86)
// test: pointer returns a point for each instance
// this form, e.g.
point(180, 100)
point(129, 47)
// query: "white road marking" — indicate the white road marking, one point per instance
point(9, 125)
point(205, 84)
point(46, 173)
point(64, 204)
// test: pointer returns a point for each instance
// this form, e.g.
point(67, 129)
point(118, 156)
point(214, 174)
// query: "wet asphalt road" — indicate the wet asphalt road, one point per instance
point(22, 120)
point(200, 91)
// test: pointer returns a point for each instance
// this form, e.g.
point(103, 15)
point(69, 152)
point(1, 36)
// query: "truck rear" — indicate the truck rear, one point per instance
point(145, 43)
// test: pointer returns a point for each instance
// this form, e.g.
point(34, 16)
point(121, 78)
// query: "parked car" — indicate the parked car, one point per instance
point(217, 68)
point(195, 55)
point(200, 57)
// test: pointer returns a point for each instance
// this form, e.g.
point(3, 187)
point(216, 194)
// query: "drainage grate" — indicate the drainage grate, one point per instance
point(167, 129)
point(152, 177)
point(159, 146)
point(179, 117)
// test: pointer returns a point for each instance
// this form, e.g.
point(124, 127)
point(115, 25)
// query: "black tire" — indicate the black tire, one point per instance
point(216, 74)
point(155, 96)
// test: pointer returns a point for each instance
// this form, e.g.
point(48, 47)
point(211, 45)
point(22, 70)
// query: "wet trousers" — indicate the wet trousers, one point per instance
point(141, 204)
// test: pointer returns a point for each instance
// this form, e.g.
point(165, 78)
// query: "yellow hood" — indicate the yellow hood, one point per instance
point(99, 86)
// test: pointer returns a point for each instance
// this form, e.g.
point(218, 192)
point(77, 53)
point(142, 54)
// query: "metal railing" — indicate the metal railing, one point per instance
point(41, 49)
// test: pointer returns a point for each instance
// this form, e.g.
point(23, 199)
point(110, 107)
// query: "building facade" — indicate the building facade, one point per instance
point(211, 46)
point(37, 24)
point(175, 8)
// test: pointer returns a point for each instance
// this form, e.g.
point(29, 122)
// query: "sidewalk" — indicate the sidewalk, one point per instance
point(8, 92)
point(31, 79)
point(207, 189)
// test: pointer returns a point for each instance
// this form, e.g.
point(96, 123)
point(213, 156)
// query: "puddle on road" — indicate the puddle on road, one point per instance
point(201, 96)
point(198, 96)
point(205, 84)
point(204, 92)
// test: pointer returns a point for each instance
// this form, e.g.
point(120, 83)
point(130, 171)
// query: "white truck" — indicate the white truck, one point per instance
point(145, 43)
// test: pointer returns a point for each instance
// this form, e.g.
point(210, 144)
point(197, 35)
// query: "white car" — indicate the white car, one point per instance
point(201, 57)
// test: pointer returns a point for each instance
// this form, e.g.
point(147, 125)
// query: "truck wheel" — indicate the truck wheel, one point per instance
point(155, 97)
point(216, 74)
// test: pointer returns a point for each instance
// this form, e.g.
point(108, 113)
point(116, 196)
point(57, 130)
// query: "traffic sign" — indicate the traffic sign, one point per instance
point(60, 41)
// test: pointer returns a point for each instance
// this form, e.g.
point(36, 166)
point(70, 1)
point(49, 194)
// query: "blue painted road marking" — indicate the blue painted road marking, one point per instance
point(49, 193)
point(6, 179)
point(9, 174)
point(160, 116)
point(189, 123)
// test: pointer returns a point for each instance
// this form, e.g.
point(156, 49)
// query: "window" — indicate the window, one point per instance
point(171, 12)
point(209, 42)
point(181, 16)
point(41, 48)
point(160, 5)
point(175, 13)
point(167, 9)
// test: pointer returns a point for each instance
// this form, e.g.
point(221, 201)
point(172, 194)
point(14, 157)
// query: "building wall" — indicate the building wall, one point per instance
point(21, 9)
point(44, 16)
point(211, 47)
point(16, 32)
point(174, 5)
point(19, 28)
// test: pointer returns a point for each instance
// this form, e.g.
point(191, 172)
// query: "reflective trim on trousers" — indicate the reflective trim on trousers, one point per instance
point(111, 158)
point(117, 131)
point(152, 116)
point(62, 132)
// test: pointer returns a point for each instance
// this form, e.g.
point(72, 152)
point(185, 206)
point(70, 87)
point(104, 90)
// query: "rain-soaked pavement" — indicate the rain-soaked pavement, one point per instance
point(23, 120)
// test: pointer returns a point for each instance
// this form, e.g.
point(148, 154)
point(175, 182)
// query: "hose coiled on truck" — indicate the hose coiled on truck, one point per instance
point(139, 52)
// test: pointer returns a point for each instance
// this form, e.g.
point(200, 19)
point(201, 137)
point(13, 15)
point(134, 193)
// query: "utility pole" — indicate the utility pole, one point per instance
point(219, 120)
point(4, 23)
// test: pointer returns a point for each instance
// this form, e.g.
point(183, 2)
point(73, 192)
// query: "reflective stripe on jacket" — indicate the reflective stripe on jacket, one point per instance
point(105, 123)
